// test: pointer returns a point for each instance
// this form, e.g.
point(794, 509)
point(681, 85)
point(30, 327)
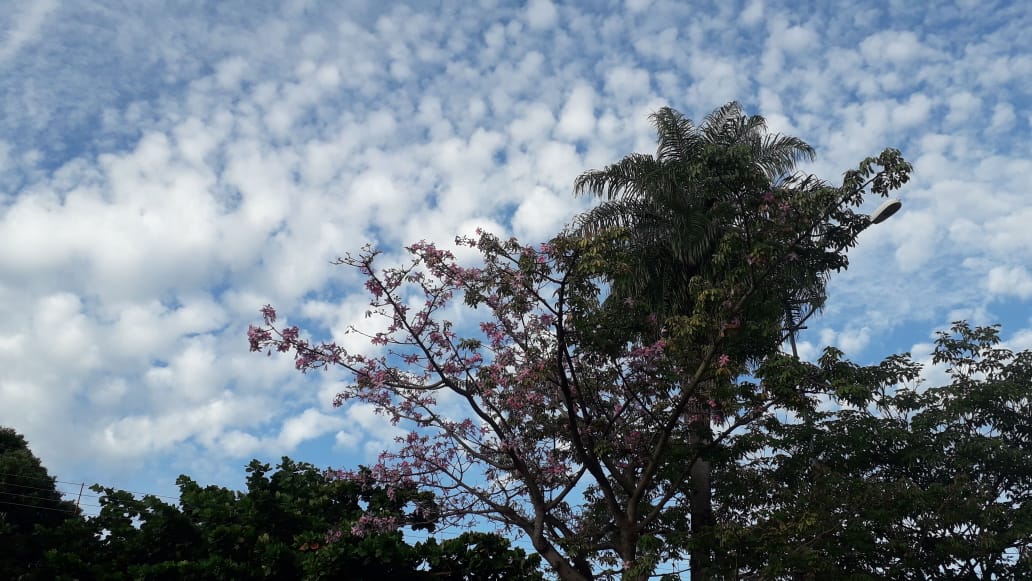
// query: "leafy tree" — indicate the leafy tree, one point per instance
point(31, 508)
point(904, 482)
point(674, 208)
point(292, 523)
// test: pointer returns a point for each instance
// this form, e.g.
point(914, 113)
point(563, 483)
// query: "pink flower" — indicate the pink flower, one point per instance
point(269, 314)
point(723, 360)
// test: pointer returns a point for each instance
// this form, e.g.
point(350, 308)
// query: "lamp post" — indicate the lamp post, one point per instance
point(881, 214)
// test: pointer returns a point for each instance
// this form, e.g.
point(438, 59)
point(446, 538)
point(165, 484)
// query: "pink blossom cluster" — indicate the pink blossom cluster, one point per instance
point(369, 524)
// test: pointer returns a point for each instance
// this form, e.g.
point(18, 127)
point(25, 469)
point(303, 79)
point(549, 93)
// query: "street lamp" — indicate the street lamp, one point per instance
point(881, 214)
point(885, 210)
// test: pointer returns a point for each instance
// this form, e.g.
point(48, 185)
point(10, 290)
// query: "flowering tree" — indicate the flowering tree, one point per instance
point(551, 414)
point(564, 417)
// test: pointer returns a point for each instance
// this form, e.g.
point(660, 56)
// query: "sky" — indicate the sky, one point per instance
point(168, 168)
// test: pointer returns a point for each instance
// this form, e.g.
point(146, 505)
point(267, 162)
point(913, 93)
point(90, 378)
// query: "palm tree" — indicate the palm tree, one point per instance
point(674, 208)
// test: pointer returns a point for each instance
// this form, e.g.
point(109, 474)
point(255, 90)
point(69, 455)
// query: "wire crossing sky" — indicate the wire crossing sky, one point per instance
point(166, 171)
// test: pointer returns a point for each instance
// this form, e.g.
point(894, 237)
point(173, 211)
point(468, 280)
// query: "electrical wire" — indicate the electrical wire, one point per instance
point(82, 483)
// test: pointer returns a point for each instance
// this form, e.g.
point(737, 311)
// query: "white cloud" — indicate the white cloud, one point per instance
point(1014, 281)
point(363, 425)
point(1003, 117)
point(541, 14)
point(851, 341)
point(1020, 340)
point(914, 112)
point(796, 39)
point(662, 45)
point(534, 123)
point(963, 106)
point(627, 83)
point(26, 28)
point(753, 13)
point(140, 435)
point(309, 425)
point(577, 120)
point(892, 47)
point(636, 6)
point(542, 214)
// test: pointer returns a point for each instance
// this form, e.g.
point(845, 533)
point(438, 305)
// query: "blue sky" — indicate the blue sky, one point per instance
point(165, 172)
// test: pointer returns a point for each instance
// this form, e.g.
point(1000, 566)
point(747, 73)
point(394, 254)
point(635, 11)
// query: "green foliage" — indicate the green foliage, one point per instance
point(716, 230)
point(905, 482)
point(292, 523)
point(729, 249)
point(32, 512)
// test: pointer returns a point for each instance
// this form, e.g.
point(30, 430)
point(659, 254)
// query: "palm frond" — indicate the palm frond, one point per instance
point(692, 236)
point(632, 214)
point(677, 135)
point(720, 122)
point(778, 154)
point(633, 176)
point(657, 280)
point(775, 154)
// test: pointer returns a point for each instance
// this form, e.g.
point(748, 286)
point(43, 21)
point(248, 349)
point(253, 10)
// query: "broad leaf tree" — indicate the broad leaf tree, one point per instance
point(293, 522)
point(905, 481)
point(32, 510)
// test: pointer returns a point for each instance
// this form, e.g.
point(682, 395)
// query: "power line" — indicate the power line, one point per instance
point(52, 479)
point(44, 489)
point(13, 504)
point(45, 500)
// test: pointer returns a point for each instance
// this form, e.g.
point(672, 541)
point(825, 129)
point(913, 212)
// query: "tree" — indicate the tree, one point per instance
point(722, 195)
point(31, 508)
point(288, 525)
point(552, 412)
point(675, 206)
point(704, 200)
point(294, 522)
point(903, 482)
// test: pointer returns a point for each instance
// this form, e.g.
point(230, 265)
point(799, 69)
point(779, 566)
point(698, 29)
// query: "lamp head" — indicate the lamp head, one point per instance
point(885, 210)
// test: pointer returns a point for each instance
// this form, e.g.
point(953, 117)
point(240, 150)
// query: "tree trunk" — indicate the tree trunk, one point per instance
point(701, 505)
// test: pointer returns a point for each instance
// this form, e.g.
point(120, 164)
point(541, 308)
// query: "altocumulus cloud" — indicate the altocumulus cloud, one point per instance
point(166, 170)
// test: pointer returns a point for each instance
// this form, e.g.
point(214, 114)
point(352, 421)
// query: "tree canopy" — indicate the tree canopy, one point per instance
point(29, 504)
point(293, 522)
point(904, 481)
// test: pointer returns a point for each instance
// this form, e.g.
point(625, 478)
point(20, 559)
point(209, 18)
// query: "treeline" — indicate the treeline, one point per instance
point(293, 522)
